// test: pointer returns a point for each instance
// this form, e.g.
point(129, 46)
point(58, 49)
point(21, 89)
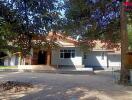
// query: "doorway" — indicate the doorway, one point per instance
point(42, 57)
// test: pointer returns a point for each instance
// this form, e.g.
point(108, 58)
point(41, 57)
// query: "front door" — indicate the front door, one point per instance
point(42, 57)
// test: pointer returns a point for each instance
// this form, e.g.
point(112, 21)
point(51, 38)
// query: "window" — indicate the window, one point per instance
point(85, 56)
point(67, 53)
point(102, 55)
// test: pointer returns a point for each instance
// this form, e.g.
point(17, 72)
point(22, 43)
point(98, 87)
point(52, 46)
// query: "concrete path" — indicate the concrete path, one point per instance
point(100, 86)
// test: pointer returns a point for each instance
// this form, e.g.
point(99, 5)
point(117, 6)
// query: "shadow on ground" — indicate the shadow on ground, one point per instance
point(72, 87)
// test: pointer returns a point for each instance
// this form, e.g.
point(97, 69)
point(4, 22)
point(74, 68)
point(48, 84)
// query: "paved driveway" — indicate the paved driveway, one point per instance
point(71, 87)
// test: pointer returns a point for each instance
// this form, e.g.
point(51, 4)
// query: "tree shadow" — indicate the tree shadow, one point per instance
point(73, 87)
point(75, 91)
point(96, 60)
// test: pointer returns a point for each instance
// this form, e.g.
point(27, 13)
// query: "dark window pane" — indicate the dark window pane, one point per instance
point(73, 50)
point(65, 50)
point(61, 55)
point(61, 50)
point(69, 51)
point(67, 55)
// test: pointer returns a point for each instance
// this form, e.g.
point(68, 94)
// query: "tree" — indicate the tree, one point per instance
point(5, 28)
point(93, 20)
point(31, 17)
point(125, 43)
point(124, 47)
point(97, 20)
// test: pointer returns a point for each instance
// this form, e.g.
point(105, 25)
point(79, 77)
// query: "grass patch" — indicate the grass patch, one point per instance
point(8, 67)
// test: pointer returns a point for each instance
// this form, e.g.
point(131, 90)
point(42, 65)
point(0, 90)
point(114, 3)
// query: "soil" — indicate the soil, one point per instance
point(14, 86)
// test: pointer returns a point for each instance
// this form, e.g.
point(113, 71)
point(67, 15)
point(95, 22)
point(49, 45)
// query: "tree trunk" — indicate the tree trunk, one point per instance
point(124, 47)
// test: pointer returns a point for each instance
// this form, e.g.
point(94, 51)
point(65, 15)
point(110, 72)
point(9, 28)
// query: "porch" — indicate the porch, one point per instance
point(38, 57)
point(51, 69)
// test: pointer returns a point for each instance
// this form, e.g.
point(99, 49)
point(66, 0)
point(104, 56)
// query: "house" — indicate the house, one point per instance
point(12, 60)
point(69, 55)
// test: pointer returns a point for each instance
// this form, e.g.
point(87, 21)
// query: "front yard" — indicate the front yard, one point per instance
point(100, 86)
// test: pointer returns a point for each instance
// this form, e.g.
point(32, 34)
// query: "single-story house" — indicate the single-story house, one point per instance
point(69, 55)
point(12, 60)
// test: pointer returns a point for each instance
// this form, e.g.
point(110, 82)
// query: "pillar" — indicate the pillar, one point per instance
point(49, 57)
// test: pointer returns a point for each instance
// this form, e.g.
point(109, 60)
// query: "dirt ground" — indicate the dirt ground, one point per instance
point(51, 86)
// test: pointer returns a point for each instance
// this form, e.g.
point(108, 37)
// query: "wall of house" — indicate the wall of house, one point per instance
point(6, 62)
point(11, 61)
point(96, 59)
point(102, 60)
point(77, 61)
point(114, 61)
point(35, 67)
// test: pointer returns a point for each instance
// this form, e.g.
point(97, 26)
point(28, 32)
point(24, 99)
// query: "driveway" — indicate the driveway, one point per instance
point(100, 86)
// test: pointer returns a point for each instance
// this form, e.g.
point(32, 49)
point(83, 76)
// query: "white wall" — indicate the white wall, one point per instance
point(114, 61)
point(6, 62)
point(11, 61)
point(95, 59)
point(110, 61)
point(56, 60)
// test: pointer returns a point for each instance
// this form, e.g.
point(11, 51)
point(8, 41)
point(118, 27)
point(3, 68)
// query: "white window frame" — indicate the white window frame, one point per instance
point(72, 51)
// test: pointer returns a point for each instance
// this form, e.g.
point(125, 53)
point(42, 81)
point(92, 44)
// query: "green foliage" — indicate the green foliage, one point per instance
point(7, 25)
point(83, 18)
point(5, 33)
point(129, 29)
point(24, 19)
point(129, 18)
point(130, 36)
